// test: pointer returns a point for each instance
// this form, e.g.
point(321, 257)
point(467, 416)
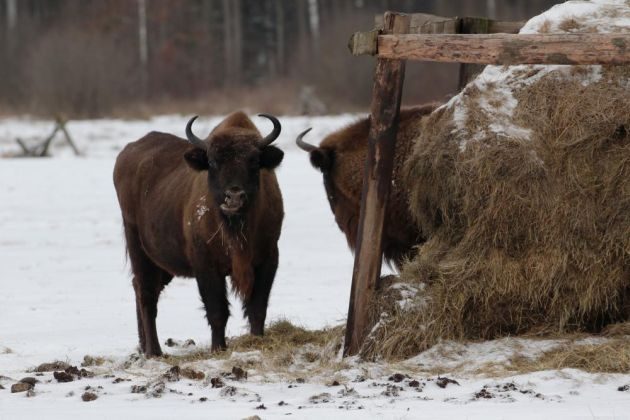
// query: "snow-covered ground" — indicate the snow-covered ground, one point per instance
point(66, 293)
point(62, 251)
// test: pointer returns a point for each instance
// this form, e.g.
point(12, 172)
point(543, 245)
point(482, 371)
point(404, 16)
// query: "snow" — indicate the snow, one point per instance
point(492, 92)
point(66, 290)
point(66, 293)
point(598, 15)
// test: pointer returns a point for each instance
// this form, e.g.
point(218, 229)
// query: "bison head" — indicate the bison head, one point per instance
point(320, 158)
point(233, 154)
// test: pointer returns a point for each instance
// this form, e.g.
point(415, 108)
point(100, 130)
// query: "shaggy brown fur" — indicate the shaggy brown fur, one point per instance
point(341, 158)
point(170, 194)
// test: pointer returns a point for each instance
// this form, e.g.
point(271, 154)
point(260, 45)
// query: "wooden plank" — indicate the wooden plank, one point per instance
point(418, 20)
point(508, 49)
point(505, 27)
point(446, 26)
point(386, 97)
point(364, 43)
point(423, 23)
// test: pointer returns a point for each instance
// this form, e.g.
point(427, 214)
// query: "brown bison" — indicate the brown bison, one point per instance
point(341, 158)
point(205, 209)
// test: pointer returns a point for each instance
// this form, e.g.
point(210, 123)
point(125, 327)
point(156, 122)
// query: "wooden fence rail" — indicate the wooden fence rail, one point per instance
point(422, 23)
point(508, 49)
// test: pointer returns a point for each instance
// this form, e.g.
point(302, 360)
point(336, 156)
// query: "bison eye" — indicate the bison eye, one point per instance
point(212, 164)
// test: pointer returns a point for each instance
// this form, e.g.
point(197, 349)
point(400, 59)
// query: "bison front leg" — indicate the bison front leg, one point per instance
point(255, 307)
point(214, 296)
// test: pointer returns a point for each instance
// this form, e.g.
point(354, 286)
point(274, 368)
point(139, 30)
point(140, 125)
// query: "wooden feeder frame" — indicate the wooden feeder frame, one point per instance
point(472, 42)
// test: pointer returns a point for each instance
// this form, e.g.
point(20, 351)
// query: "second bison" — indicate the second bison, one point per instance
point(341, 159)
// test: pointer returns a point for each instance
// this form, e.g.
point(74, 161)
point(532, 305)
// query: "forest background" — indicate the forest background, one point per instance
point(134, 58)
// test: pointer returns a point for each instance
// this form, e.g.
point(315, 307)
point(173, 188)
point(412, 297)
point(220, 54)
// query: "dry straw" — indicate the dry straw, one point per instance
point(526, 234)
point(285, 348)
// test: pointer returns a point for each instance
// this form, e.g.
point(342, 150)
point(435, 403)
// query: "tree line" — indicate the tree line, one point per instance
point(94, 58)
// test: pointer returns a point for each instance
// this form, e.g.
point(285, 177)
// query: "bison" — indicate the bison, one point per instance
point(206, 209)
point(341, 159)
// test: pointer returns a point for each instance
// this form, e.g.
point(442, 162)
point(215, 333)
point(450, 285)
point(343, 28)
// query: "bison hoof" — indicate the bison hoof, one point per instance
point(217, 347)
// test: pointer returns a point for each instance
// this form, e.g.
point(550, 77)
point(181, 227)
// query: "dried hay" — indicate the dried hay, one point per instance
point(528, 223)
point(285, 343)
point(610, 356)
point(281, 349)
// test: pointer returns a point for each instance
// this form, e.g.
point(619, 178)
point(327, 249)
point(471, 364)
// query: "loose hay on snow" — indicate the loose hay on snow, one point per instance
point(283, 346)
point(527, 210)
point(610, 356)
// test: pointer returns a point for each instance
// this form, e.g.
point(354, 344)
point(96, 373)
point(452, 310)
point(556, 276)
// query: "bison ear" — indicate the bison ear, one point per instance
point(197, 159)
point(270, 157)
point(321, 159)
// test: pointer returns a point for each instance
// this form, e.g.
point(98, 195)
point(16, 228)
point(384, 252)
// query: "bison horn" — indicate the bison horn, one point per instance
point(304, 145)
point(196, 141)
point(274, 134)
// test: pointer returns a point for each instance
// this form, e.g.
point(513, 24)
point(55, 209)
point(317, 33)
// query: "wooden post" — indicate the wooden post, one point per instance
point(471, 25)
point(386, 97)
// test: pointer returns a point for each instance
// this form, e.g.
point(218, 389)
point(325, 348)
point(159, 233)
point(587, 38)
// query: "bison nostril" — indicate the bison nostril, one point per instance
point(235, 194)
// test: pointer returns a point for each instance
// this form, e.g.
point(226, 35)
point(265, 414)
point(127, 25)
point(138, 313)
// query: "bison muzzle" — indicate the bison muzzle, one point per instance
point(206, 209)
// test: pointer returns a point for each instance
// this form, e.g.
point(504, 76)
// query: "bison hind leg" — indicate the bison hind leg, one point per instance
point(148, 282)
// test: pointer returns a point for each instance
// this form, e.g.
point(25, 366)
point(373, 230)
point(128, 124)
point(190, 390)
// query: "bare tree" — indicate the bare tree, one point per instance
point(233, 41)
point(143, 45)
point(313, 15)
point(12, 14)
point(491, 8)
point(280, 57)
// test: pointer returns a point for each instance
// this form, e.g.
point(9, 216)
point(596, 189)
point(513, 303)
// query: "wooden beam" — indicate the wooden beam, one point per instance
point(505, 27)
point(364, 43)
point(507, 49)
point(386, 97)
point(423, 23)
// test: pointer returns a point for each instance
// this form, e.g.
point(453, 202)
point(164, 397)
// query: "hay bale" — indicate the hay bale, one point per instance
point(522, 185)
